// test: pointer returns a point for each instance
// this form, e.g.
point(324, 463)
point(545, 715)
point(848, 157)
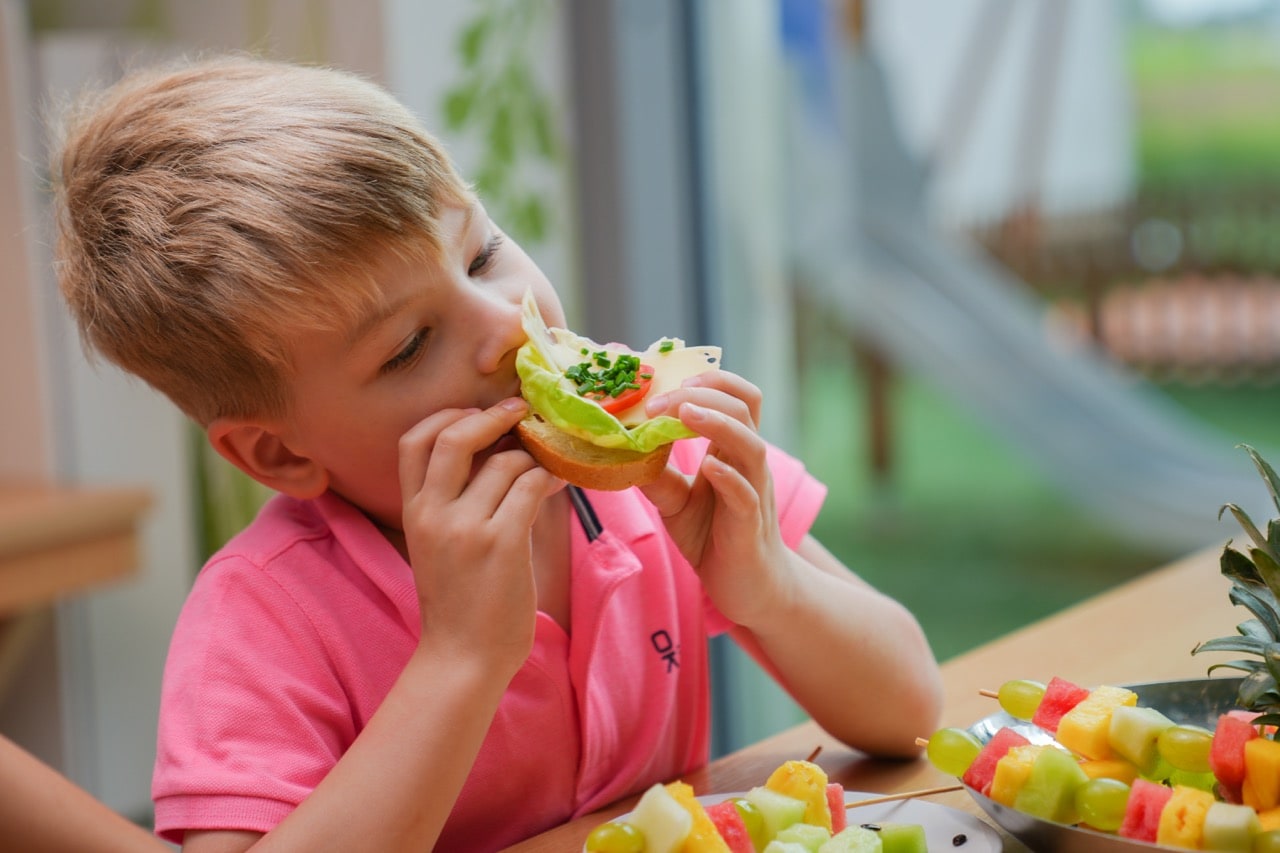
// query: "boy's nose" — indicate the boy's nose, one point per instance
point(500, 333)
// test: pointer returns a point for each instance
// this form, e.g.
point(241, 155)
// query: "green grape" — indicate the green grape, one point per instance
point(753, 819)
point(1020, 698)
point(616, 836)
point(1101, 803)
point(1186, 748)
point(1267, 842)
point(952, 750)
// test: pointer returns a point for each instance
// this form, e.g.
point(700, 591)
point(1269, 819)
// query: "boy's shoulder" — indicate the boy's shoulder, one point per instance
point(285, 526)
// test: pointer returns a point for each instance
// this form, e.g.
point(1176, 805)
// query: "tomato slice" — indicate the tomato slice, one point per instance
point(629, 397)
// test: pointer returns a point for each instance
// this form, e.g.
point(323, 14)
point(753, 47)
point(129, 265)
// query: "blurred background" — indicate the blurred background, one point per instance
point(1006, 272)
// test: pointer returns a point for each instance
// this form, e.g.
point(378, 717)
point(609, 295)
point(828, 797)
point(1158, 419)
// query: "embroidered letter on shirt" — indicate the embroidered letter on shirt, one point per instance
point(662, 643)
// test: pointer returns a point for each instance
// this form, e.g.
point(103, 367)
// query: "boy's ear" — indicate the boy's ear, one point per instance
point(259, 451)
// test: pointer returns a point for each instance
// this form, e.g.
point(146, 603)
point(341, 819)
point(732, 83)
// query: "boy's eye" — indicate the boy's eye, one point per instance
point(412, 348)
point(484, 260)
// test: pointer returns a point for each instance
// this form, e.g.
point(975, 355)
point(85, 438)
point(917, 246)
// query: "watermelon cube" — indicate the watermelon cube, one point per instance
point(1182, 818)
point(1142, 814)
point(1226, 755)
point(835, 803)
point(728, 822)
point(1060, 696)
point(983, 768)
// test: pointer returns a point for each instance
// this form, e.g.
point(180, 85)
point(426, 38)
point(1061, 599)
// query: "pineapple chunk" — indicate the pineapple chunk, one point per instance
point(807, 782)
point(703, 836)
point(1262, 773)
point(1012, 772)
point(1182, 819)
point(1085, 728)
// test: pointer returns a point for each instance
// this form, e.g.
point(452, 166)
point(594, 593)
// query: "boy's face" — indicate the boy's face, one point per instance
point(445, 336)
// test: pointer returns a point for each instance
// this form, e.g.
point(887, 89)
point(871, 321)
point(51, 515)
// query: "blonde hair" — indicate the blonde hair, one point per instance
point(204, 211)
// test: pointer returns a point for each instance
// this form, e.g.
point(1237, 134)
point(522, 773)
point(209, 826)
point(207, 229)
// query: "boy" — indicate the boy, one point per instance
point(423, 618)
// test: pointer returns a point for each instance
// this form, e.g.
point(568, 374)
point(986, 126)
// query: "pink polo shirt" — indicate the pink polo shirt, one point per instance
point(294, 633)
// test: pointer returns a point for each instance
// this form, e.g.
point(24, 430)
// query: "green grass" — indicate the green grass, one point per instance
point(967, 532)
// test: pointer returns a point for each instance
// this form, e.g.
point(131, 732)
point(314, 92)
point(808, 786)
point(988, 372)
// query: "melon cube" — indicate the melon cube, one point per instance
point(1050, 791)
point(1261, 787)
point(703, 836)
point(1012, 772)
point(1230, 827)
point(776, 846)
point(664, 822)
point(1182, 818)
point(1142, 813)
point(983, 768)
point(1134, 733)
point(1085, 728)
point(854, 839)
point(903, 838)
point(778, 810)
point(1060, 696)
point(805, 834)
point(807, 782)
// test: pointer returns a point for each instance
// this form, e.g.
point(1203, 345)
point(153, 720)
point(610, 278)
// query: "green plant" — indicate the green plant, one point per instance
point(497, 98)
point(1255, 585)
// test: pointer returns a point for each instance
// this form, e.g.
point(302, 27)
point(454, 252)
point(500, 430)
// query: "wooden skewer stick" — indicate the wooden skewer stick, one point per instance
point(905, 795)
point(814, 755)
point(990, 694)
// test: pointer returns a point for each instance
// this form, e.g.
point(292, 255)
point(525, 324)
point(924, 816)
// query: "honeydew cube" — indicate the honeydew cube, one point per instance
point(853, 839)
point(777, 846)
point(703, 836)
point(1085, 728)
point(1050, 790)
point(663, 821)
point(1182, 818)
point(1230, 827)
point(903, 838)
point(1134, 733)
point(778, 810)
point(806, 834)
point(1012, 772)
point(807, 782)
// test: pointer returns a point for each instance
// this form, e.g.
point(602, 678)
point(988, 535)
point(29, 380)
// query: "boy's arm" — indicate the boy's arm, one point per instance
point(853, 658)
point(41, 810)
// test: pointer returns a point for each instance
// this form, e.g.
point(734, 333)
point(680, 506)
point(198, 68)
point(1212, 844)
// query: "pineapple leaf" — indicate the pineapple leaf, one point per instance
point(1268, 474)
point(1239, 568)
point(1260, 602)
point(1241, 665)
point(1270, 719)
point(1272, 659)
point(1268, 569)
point(1273, 535)
point(1246, 523)
point(1258, 690)
point(1254, 628)
point(1248, 645)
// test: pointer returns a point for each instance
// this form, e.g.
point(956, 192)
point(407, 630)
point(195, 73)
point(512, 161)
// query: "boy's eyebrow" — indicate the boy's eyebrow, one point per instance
point(384, 311)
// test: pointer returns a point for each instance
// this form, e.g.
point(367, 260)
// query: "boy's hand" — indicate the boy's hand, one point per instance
point(467, 521)
point(724, 519)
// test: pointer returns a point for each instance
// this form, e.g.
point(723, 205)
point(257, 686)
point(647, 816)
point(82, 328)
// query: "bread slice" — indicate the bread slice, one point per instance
point(587, 465)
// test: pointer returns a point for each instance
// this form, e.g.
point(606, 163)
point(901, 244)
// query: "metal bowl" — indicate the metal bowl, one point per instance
point(1194, 701)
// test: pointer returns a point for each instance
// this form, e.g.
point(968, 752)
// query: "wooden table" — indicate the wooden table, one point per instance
point(1143, 630)
point(54, 542)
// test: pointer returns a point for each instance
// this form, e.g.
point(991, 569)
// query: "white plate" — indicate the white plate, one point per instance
point(942, 824)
